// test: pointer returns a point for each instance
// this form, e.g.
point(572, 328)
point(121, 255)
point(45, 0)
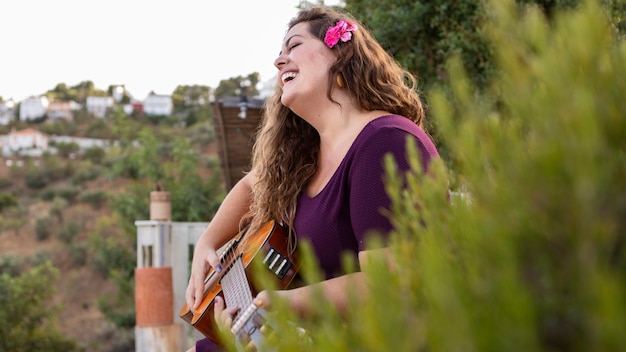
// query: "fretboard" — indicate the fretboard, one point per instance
point(235, 286)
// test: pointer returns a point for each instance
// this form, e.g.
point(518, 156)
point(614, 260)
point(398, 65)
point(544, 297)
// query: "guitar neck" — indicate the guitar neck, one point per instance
point(235, 286)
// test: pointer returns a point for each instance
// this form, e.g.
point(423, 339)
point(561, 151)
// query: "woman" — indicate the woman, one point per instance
point(341, 105)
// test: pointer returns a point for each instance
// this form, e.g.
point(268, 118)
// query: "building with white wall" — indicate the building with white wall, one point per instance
point(59, 109)
point(157, 104)
point(33, 108)
point(7, 112)
point(23, 141)
point(97, 106)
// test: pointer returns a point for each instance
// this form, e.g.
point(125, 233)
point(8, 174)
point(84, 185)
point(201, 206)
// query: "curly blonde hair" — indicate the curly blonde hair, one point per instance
point(286, 150)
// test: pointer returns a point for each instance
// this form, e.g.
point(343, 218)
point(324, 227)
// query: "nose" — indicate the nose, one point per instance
point(280, 61)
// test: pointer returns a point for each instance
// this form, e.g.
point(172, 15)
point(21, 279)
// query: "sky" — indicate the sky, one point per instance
point(146, 45)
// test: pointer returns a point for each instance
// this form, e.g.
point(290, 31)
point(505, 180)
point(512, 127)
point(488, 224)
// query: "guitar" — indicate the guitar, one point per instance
point(270, 246)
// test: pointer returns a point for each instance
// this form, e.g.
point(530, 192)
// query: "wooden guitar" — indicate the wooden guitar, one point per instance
point(270, 246)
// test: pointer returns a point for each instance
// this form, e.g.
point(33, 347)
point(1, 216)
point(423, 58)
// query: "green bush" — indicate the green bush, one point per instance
point(7, 200)
point(69, 193)
point(5, 183)
point(42, 228)
point(11, 264)
point(85, 174)
point(78, 253)
point(95, 155)
point(26, 316)
point(532, 259)
point(95, 198)
point(67, 232)
point(37, 179)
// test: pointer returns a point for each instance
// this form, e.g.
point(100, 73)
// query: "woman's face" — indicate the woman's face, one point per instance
point(304, 62)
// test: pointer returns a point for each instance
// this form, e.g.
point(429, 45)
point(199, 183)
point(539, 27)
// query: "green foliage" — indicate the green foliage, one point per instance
point(422, 35)
point(239, 85)
point(87, 172)
point(13, 218)
point(186, 96)
point(26, 315)
point(532, 259)
point(37, 179)
point(119, 309)
point(11, 264)
point(94, 198)
point(59, 128)
point(95, 155)
point(42, 228)
point(52, 169)
point(77, 93)
point(7, 200)
point(66, 149)
point(5, 183)
point(69, 193)
point(68, 232)
point(109, 250)
point(98, 128)
point(57, 207)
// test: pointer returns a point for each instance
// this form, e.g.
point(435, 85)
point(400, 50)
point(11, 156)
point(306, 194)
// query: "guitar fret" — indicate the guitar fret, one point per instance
point(235, 286)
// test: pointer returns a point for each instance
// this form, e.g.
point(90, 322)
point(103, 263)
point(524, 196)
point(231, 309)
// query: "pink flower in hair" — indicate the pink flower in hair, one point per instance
point(342, 30)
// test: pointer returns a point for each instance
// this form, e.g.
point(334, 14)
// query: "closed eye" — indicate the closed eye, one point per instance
point(293, 46)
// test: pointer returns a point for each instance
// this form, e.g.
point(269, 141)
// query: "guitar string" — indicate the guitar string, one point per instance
point(235, 286)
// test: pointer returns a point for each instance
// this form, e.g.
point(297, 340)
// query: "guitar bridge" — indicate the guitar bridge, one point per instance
point(277, 263)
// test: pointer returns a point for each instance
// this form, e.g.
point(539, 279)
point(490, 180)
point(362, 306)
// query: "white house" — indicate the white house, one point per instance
point(59, 109)
point(33, 108)
point(98, 106)
point(157, 104)
point(24, 140)
point(7, 112)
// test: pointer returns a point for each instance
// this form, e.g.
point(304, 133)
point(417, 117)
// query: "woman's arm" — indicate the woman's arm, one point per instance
point(223, 227)
point(337, 290)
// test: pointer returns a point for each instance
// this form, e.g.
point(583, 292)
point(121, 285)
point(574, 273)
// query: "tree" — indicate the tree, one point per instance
point(7, 200)
point(236, 86)
point(26, 316)
point(187, 96)
point(423, 35)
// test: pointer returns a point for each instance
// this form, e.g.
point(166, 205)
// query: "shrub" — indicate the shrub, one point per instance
point(534, 259)
point(78, 253)
point(10, 264)
point(5, 183)
point(67, 232)
point(95, 198)
point(7, 200)
point(42, 228)
point(95, 155)
point(85, 174)
point(69, 193)
point(37, 179)
point(26, 312)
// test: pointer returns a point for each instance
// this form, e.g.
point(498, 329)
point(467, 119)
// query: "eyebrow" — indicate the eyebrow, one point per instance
point(289, 40)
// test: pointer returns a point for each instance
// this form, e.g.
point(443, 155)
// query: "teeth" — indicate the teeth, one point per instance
point(287, 76)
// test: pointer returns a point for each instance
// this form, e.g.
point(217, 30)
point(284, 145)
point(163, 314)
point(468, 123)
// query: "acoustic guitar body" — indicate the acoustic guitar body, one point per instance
point(270, 246)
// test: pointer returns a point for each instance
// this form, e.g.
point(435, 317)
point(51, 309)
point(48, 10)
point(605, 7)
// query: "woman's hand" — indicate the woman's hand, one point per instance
point(223, 316)
point(200, 266)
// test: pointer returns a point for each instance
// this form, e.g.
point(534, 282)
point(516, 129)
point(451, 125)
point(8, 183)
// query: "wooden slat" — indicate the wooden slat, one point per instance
point(235, 138)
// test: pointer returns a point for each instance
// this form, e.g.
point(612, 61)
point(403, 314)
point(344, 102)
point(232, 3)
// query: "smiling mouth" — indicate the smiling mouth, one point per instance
point(288, 76)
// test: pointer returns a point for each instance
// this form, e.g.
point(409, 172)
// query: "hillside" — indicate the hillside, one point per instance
point(73, 223)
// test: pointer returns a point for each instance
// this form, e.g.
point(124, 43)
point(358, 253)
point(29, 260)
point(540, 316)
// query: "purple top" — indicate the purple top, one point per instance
point(348, 208)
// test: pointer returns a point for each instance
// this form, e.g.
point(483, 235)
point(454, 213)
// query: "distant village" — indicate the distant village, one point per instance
point(31, 142)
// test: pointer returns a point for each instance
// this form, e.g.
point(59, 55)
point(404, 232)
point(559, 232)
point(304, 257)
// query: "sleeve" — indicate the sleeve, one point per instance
point(368, 196)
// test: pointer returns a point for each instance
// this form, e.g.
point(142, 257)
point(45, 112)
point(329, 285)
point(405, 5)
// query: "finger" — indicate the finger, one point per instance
point(265, 299)
point(190, 296)
point(218, 307)
point(214, 261)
